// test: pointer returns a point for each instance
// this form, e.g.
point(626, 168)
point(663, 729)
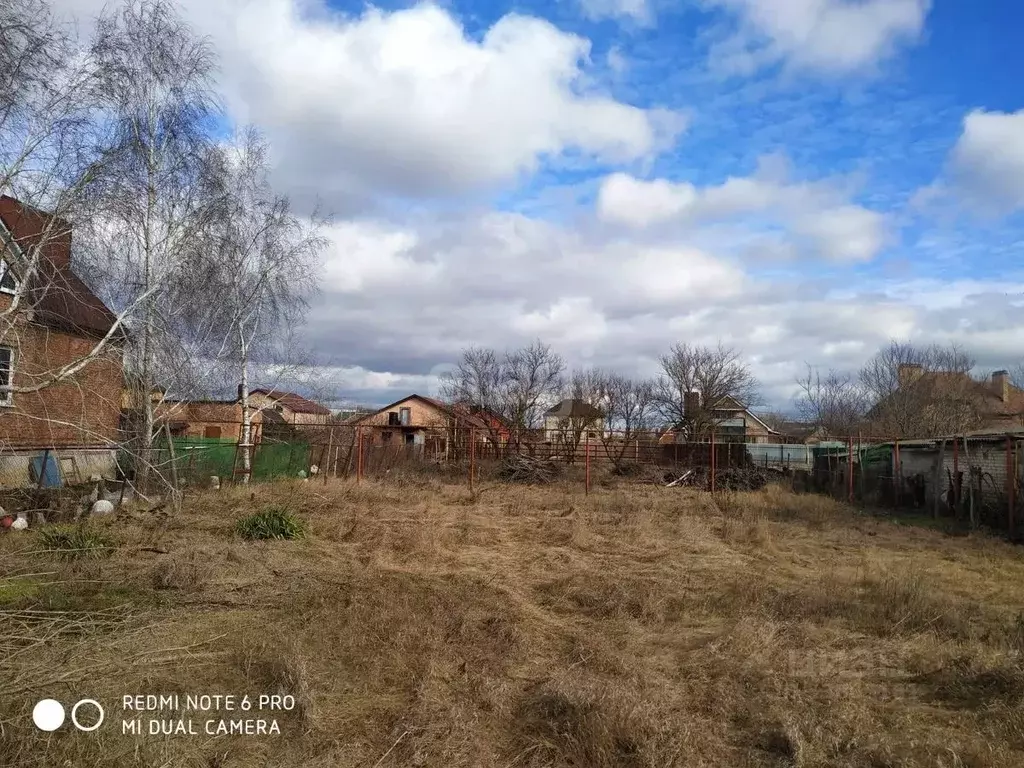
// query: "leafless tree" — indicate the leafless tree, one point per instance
point(155, 88)
point(515, 386)
point(477, 382)
point(1017, 375)
point(584, 389)
point(918, 391)
point(261, 264)
point(49, 163)
point(834, 403)
point(697, 378)
point(630, 408)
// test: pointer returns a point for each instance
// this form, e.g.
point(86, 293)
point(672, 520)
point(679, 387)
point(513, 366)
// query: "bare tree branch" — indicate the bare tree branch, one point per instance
point(696, 379)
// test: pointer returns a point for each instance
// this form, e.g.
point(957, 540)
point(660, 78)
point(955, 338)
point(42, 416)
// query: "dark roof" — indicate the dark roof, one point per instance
point(294, 402)
point(574, 409)
point(58, 297)
point(270, 416)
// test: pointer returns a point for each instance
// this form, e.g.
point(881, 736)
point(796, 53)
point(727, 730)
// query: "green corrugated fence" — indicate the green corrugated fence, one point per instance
point(205, 456)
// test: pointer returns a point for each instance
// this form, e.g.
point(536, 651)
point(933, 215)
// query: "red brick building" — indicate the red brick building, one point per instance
point(58, 322)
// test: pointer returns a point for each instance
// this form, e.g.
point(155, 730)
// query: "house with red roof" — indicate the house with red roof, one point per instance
point(50, 321)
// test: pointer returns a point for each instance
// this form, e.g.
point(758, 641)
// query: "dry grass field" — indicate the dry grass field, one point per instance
point(419, 625)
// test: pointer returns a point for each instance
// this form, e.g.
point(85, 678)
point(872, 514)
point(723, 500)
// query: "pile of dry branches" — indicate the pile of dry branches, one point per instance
point(521, 468)
point(726, 479)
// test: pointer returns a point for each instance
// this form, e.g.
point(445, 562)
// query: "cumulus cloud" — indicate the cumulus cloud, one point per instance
point(407, 103)
point(831, 36)
point(988, 160)
point(814, 212)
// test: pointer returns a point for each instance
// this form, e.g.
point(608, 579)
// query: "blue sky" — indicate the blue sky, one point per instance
point(803, 180)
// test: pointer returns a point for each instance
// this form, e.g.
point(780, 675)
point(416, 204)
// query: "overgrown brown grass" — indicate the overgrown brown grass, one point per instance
point(417, 624)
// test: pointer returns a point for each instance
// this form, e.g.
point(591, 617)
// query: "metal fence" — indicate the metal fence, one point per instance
point(974, 479)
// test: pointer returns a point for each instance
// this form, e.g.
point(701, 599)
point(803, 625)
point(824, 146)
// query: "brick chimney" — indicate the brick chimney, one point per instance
point(908, 373)
point(1001, 385)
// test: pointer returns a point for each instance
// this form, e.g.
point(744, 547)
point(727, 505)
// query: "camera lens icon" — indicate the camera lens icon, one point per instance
point(48, 714)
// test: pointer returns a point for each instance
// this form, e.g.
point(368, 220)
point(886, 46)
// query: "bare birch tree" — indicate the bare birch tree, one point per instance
point(262, 266)
point(155, 92)
point(697, 378)
point(49, 163)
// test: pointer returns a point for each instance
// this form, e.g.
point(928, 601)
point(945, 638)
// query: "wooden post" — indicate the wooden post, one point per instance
point(586, 484)
point(712, 460)
point(940, 466)
point(359, 454)
point(472, 456)
point(849, 468)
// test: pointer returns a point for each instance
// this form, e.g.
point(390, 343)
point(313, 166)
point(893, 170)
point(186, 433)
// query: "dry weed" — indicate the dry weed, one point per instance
point(190, 574)
point(422, 625)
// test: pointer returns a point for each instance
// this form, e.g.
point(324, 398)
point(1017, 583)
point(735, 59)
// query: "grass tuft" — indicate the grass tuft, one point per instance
point(273, 523)
point(76, 542)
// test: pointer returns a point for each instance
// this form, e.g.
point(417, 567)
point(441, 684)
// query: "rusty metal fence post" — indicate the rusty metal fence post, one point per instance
point(472, 456)
point(897, 475)
point(586, 482)
point(849, 469)
point(359, 454)
point(712, 483)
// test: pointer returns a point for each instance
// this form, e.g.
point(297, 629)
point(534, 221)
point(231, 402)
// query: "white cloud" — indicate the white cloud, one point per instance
point(833, 36)
point(835, 229)
point(988, 160)
point(503, 279)
point(405, 102)
point(847, 233)
point(636, 10)
point(628, 200)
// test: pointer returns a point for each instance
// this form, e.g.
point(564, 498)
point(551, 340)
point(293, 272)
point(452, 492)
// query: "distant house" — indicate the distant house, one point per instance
point(57, 322)
point(416, 420)
point(210, 419)
point(733, 423)
point(574, 417)
point(930, 402)
point(294, 409)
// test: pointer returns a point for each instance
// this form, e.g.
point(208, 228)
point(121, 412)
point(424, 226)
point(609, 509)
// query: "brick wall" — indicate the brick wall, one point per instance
point(81, 411)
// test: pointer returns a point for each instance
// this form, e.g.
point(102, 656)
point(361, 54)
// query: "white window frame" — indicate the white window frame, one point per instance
point(4, 268)
point(7, 397)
